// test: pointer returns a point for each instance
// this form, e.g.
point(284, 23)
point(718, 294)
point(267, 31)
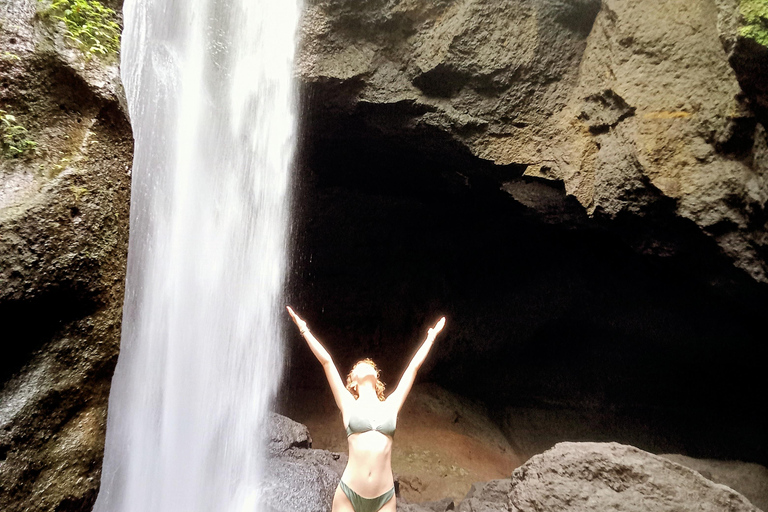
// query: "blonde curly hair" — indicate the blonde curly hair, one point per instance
point(379, 384)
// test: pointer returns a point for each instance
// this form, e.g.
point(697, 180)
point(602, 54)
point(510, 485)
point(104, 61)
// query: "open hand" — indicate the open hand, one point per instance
point(434, 331)
point(301, 324)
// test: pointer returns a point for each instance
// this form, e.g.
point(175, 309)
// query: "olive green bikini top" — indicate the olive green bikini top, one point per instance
point(360, 423)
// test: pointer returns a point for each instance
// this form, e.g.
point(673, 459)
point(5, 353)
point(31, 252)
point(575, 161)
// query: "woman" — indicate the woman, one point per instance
point(367, 484)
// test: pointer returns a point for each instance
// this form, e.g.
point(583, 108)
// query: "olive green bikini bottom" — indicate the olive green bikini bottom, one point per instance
point(361, 504)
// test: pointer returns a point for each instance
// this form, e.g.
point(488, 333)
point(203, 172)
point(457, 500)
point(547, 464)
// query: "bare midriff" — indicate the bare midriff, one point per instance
point(369, 470)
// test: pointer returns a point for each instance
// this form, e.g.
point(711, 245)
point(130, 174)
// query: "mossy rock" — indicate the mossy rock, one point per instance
point(755, 19)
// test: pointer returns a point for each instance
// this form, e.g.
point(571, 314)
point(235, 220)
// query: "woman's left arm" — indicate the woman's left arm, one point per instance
point(400, 393)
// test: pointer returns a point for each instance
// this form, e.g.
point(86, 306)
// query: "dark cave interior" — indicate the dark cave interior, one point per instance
point(388, 236)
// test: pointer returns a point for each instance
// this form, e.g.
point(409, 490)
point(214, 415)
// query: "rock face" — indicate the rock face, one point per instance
point(610, 476)
point(298, 477)
point(63, 243)
point(635, 108)
point(558, 120)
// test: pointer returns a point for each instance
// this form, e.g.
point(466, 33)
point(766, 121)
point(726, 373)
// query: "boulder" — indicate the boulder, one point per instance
point(611, 476)
point(283, 433)
point(298, 478)
point(490, 496)
point(302, 480)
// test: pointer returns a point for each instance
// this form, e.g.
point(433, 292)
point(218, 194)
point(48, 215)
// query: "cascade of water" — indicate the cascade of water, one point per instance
point(211, 96)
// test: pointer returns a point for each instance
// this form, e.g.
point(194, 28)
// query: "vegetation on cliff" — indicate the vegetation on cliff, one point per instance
point(91, 26)
point(755, 14)
point(13, 136)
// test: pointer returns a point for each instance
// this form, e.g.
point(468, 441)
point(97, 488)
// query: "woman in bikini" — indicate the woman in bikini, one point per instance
point(367, 484)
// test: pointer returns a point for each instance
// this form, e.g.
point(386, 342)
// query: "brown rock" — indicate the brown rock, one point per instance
point(610, 476)
point(490, 496)
point(633, 106)
point(63, 244)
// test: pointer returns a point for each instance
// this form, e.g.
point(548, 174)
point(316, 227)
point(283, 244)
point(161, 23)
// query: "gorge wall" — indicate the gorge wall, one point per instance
point(579, 185)
point(63, 245)
point(634, 110)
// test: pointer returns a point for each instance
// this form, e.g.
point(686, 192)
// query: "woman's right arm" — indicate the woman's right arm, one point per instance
point(340, 393)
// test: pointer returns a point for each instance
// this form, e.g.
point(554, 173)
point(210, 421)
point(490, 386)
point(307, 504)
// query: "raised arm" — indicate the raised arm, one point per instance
point(340, 393)
point(399, 395)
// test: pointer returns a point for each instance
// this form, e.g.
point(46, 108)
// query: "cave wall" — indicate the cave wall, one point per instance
point(540, 314)
point(631, 107)
point(587, 206)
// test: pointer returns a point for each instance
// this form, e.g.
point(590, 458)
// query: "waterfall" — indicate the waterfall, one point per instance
point(211, 97)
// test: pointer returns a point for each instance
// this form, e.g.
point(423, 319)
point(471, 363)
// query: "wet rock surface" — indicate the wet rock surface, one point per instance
point(303, 479)
point(63, 243)
point(429, 506)
point(283, 434)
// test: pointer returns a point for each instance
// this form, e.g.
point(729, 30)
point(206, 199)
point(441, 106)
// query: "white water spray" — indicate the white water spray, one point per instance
point(211, 96)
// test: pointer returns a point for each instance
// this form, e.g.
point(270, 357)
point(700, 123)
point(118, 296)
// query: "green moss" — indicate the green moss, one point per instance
point(755, 16)
point(91, 26)
point(13, 136)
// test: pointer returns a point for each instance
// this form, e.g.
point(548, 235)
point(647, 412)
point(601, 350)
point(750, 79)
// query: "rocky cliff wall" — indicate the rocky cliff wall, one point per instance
point(580, 187)
point(63, 243)
point(635, 109)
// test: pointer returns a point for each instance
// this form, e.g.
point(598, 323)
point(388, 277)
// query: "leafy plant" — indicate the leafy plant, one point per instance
point(14, 136)
point(90, 25)
point(755, 16)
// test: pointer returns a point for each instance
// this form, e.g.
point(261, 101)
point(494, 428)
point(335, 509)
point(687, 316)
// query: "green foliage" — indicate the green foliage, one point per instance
point(14, 136)
point(90, 25)
point(755, 15)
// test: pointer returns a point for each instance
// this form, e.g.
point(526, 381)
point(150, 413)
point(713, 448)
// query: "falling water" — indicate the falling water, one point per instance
point(211, 98)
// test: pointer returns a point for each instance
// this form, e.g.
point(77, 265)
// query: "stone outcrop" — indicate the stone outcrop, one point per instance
point(635, 109)
point(298, 478)
point(63, 242)
point(610, 476)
